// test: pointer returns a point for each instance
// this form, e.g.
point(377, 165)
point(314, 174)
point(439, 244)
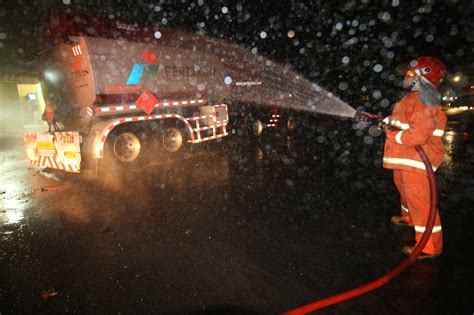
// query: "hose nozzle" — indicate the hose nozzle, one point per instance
point(364, 119)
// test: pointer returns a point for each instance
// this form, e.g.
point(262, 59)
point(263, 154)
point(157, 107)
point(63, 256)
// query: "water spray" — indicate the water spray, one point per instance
point(337, 298)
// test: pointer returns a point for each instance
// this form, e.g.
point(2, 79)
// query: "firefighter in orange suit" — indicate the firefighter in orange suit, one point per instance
point(48, 116)
point(417, 119)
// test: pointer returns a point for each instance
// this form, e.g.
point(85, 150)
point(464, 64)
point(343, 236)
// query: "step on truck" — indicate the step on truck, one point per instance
point(111, 85)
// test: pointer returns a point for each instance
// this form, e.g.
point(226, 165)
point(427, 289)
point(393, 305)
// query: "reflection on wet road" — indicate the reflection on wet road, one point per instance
point(236, 227)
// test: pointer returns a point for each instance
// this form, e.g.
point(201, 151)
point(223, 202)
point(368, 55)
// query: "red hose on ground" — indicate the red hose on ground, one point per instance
point(304, 309)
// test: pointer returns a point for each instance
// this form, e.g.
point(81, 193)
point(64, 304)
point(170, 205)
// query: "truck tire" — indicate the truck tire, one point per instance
point(172, 139)
point(126, 147)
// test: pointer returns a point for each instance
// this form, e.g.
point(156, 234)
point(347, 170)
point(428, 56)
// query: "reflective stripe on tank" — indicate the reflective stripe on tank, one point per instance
point(407, 162)
point(405, 208)
point(421, 229)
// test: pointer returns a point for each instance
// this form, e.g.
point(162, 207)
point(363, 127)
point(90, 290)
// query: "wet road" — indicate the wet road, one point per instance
point(239, 227)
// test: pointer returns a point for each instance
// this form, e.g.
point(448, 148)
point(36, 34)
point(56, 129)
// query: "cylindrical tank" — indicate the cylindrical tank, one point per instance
point(113, 63)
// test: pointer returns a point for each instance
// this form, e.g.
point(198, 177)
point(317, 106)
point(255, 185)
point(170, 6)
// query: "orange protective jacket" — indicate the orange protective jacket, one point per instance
point(415, 124)
point(48, 114)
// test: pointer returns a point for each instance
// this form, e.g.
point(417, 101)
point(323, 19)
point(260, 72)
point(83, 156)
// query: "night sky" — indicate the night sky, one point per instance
point(350, 47)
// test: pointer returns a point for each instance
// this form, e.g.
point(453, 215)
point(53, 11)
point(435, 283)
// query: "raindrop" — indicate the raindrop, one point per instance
point(225, 10)
point(343, 86)
point(67, 2)
point(3, 36)
point(164, 21)
point(374, 131)
point(339, 26)
point(254, 50)
point(395, 3)
point(227, 80)
point(200, 3)
point(263, 35)
point(157, 34)
point(291, 33)
point(359, 185)
point(384, 16)
point(316, 87)
point(390, 54)
point(377, 94)
point(355, 23)
point(384, 103)
point(378, 68)
point(429, 38)
point(346, 60)
point(368, 140)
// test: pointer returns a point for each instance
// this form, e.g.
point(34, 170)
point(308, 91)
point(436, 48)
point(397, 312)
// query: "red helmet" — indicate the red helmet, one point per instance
point(430, 68)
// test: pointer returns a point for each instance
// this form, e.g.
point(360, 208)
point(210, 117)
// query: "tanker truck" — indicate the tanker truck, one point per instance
point(110, 82)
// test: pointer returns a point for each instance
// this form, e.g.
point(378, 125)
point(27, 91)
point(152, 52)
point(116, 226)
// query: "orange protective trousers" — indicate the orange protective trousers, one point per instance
point(415, 200)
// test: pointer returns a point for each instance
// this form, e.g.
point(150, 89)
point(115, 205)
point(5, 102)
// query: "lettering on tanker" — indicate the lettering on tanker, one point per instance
point(189, 72)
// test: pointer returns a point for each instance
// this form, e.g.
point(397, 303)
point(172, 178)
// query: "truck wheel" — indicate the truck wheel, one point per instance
point(256, 127)
point(172, 139)
point(126, 147)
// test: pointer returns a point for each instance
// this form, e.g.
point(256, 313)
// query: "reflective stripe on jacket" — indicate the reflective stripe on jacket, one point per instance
point(416, 124)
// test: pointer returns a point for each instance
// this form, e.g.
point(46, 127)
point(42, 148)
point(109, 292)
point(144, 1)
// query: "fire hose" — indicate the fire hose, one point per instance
point(337, 298)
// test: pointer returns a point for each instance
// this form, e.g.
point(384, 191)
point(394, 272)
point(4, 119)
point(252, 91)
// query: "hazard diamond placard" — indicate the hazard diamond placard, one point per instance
point(146, 101)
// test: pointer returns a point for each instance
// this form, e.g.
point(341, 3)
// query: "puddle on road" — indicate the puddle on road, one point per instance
point(13, 202)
